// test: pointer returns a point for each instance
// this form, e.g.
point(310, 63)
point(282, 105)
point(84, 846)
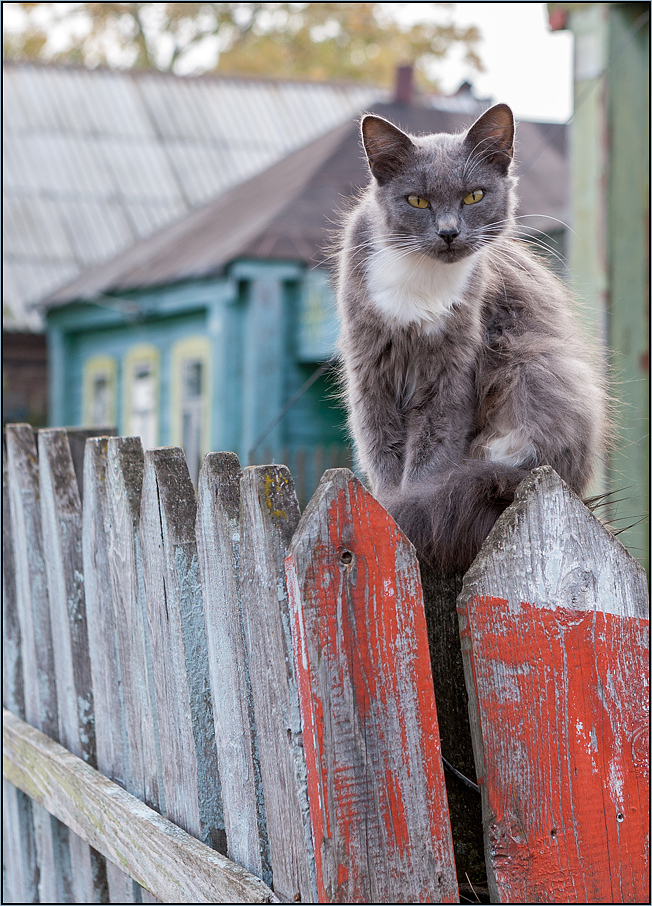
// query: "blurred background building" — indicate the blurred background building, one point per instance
point(171, 235)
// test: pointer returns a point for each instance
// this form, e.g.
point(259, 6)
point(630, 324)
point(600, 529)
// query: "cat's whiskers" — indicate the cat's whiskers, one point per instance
point(548, 217)
point(492, 233)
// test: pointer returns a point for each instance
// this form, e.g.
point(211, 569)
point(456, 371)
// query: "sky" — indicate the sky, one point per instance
point(527, 65)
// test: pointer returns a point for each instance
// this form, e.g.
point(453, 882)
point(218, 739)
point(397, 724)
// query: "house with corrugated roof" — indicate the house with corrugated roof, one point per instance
point(216, 332)
point(94, 161)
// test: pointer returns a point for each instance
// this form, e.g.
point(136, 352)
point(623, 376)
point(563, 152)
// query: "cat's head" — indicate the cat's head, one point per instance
point(443, 195)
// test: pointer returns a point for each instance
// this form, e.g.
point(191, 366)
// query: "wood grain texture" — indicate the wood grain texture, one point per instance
point(144, 778)
point(553, 619)
point(160, 856)
point(104, 654)
point(124, 484)
point(77, 438)
point(375, 779)
point(269, 516)
point(61, 519)
point(177, 631)
point(19, 866)
point(33, 608)
point(218, 545)
point(101, 624)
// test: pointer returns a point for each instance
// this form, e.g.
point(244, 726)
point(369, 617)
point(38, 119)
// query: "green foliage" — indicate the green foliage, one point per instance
point(352, 41)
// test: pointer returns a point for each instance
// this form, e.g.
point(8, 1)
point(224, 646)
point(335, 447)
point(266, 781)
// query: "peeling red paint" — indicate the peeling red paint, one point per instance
point(562, 698)
point(376, 788)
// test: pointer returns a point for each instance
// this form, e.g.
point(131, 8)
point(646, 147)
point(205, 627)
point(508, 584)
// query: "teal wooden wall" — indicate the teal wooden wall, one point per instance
point(268, 323)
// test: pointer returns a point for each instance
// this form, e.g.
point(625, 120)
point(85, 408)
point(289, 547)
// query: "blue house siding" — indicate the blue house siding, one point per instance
point(258, 344)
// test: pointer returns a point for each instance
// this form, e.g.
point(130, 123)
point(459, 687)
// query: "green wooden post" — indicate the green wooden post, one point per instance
point(56, 376)
point(628, 193)
point(609, 261)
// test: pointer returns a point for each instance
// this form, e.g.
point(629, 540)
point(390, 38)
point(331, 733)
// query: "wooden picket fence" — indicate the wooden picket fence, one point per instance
point(210, 698)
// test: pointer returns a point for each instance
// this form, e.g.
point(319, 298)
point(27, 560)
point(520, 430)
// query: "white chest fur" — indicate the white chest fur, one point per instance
point(411, 288)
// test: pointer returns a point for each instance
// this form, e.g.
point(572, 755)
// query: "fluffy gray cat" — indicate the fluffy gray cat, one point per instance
point(463, 365)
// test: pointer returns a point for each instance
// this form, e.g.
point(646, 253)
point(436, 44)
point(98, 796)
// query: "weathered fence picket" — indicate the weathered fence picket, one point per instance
point(177, 631)
point(39, 684)
point(102, 644)
point(264, 683)
point(218, 544)
point(61, 519)
point(269, 513)
point(555, 634)
point(377, 793)
point(19, 862)
point(104, 538)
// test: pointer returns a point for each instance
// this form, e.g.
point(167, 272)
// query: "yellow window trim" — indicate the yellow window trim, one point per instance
point(93, 367)
point(144, 352)
point(198, 349)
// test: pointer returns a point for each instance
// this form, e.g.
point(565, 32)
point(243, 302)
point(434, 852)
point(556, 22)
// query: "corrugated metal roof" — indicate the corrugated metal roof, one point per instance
point(96, 160)
point(287, 211)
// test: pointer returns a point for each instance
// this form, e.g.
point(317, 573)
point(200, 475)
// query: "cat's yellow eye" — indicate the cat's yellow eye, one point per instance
point(473, 197)
point(418, 202)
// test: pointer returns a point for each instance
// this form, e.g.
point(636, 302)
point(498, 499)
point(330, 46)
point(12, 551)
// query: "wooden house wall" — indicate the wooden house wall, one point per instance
point(259, 357)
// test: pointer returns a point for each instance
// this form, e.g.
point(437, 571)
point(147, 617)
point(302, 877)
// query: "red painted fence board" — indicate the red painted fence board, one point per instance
point(556, 649)
point(376, 788)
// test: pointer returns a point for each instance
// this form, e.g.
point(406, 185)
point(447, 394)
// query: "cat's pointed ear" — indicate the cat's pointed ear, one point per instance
point(387, 148)
point(491, 137)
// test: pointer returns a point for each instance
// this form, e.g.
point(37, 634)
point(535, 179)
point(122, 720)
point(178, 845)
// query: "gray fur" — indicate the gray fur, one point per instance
point(463, 365)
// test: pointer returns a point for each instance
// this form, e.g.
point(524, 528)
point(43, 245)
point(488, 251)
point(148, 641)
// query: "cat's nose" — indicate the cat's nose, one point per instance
point(448, 235)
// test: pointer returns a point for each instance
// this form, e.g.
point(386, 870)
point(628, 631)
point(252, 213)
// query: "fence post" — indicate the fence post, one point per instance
point(62, 524)
point(175, 615)
point(19, 865)
point(464, 804)
point(376, 785)
point(218, 545)
point(269, 516)
point(554, 624)
point(52, 838)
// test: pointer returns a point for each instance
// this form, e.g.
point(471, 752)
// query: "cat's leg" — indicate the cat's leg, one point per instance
point(544, 411)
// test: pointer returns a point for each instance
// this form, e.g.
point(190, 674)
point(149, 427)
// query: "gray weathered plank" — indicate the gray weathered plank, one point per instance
point(124, 488)
point(555, 637)
point(177, 631)
point(269, 516)
point(39, 684)
point(77, 438)
point(125, 576)
point(19, 867)
point(375, 779)
point(61, 519)
point(97, 547)
point(159, 855)
point(218, 545)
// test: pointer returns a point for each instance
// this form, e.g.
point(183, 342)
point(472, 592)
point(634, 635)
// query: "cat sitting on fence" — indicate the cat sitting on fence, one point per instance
point(463, 364)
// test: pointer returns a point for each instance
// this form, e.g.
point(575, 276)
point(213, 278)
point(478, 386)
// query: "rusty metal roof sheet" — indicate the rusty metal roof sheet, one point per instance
point(96, 160)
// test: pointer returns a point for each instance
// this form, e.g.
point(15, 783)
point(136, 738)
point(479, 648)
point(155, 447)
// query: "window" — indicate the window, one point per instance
point(141, 395)
point(191, 386)
point(99, 393)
